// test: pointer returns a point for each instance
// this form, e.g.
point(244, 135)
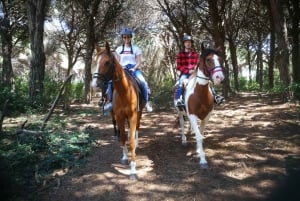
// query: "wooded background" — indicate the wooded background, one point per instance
point(47, 60)
point(42, 41)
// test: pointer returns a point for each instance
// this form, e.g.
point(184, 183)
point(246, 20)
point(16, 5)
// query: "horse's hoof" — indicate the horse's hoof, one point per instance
point(204, 166)
point(124, 162)
point(133, 177)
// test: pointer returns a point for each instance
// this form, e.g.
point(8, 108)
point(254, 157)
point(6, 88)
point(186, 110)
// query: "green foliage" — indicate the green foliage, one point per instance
point(252, 86)
point(29, 154)
point(51, 88)
point(77, 91)
point(17, 98)
point(242, 82)
point(162, 96)
point(246, 85)
point(279, 88)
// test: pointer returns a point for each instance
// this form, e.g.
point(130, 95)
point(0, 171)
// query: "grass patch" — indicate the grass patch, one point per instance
point(28, 159)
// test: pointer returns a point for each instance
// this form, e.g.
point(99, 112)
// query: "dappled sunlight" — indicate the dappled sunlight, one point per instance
point(248, 189)
point(267, 183)
point(246, 143)
point(241, 172)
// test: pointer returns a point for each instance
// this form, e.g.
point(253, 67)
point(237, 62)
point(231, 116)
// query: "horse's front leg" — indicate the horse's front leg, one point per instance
point(204, 122)
point(199, 138)
point(132, 143)
point(181, 122)
point(136, 137)
point(124, 159)
point(116, 130)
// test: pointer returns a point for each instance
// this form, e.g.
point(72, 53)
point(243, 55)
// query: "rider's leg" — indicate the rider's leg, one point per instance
point(179, 90)
point(108, 105)
point(218, 99)
point(138, 74)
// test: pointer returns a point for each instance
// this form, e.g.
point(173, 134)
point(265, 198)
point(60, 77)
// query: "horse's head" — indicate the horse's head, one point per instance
point(105, 66)
point(211, 64)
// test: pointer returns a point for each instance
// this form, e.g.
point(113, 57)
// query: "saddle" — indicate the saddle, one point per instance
point(137, 85)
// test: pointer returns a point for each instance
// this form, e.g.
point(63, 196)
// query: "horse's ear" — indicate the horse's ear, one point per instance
point(107, 46)
point(98, 49)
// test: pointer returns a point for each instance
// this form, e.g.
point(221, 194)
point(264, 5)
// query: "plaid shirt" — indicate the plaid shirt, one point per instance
point(187, 61)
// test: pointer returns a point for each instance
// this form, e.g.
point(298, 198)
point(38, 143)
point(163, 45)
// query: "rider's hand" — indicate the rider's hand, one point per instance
point(191, 71)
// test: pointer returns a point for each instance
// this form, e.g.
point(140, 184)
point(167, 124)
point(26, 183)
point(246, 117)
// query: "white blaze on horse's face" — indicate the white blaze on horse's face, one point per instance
point(94, 81)
point(217, 73)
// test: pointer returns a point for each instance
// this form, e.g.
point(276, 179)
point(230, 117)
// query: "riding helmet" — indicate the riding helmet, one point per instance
point(126, 31)
point(187, 37)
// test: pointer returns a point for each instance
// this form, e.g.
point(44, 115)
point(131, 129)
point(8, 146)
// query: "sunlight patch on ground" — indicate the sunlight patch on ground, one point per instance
point(142, 170)
point(236, 141)
point(248, 189)
point(239, 174)
point(273, 170)
point(266, 183)
point(241, 170)
point(256, 157)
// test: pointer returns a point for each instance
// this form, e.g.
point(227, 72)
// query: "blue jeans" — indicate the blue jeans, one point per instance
point(138, 74)
point(109, 90)
point(179, 90)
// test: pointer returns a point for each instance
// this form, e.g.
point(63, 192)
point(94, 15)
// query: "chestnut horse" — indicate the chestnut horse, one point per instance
point(127, 106)
point(198, 97)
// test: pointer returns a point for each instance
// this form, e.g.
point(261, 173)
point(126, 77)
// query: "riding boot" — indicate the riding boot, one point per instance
point(219, 99)
point(148, 107)
point(178, 96)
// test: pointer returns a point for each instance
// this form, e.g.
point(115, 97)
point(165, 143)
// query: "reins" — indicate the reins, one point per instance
point(204, 78)
point(109, 75)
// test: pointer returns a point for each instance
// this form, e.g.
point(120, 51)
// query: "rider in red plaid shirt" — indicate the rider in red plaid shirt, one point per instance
point(187, 61)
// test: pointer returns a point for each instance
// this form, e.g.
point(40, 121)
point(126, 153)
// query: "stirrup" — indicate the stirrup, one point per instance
point(179, 102)
point(107, 107)
point(219, 99)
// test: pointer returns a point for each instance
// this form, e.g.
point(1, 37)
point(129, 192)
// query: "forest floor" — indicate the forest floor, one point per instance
point(251, 143)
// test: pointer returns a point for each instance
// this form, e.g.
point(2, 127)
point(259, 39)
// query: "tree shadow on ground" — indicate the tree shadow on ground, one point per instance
point(247, 142)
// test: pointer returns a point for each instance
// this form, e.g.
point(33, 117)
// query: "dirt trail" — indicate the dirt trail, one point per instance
point(246, 141)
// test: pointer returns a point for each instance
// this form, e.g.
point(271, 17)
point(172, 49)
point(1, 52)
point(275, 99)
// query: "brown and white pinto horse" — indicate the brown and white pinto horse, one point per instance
point(127, 108)
point(199, 99)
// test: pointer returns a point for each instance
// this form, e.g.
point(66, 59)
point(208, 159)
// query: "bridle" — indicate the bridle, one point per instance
point(206, 70)
point(105, 78)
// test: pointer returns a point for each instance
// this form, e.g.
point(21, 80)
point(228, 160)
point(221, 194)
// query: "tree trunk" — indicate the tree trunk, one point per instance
point(36, 16)
point(296, 47)
point(232, 48)
point(218, 34)
point(271, 60)
point(88, 58)
point(282, 40)
point(6, 40)
point(92, 10)
point(249, 63)
point(259, 61)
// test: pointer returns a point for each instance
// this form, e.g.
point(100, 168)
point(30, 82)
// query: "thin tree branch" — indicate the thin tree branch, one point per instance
point(55, 102)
